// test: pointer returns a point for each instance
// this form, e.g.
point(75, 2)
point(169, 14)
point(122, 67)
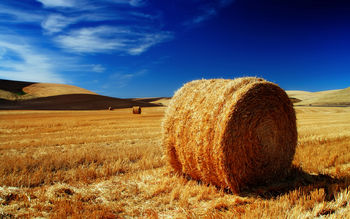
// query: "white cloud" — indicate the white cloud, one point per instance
point(55, 23)
point(58, 16)
point(134, 3)
point(74, 65)
point(58, 3)
point(207, 11)
point(98, 68)
point(88, 4)
point(99, 16)
point(137, 3)
point(107, 38)
point(18, 15)
point(90, 40)
point(205, 16)
point(148, 40)
point(30, 65)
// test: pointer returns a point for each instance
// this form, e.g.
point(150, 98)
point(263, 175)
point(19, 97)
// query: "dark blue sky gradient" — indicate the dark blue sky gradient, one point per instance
point(300, 45)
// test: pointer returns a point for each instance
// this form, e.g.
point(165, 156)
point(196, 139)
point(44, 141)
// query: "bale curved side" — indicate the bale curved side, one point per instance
point(231, 133)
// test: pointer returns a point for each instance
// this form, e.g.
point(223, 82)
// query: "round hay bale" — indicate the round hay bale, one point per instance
point(136, 110)
point(230, 133)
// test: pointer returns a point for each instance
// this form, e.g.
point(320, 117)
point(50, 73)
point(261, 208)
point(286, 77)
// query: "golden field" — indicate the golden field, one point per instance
point(110, 164)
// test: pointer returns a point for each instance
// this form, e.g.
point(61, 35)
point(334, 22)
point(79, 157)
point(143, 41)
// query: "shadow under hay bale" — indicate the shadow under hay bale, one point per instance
point(301, 181)
point(136, 110)
point(296, 180)
point(231, 133)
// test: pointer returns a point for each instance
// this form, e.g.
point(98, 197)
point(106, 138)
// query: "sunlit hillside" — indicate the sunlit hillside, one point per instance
point(12, 90)
point(339, 97)
point(49, 89)
point(19, 95)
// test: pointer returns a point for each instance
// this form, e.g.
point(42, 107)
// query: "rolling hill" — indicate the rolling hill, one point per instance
point(47, 96)
point(164, 101)
point(340, 97)
point(48, 89)
point(15, 90)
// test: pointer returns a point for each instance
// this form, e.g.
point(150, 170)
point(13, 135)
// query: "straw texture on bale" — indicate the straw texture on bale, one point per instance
point(230, 133)
point(136, 110)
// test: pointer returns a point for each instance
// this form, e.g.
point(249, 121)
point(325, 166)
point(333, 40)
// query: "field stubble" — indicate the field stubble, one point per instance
point(111, 164)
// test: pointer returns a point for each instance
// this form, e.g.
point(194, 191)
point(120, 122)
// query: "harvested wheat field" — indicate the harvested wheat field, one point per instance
point(110, 164)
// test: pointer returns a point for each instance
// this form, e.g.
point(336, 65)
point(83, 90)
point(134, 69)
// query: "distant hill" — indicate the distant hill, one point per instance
point(47, 96)
point(12, 90)
point(48, 89)
point(340, 97)
point(164, 101)
point(72, 102)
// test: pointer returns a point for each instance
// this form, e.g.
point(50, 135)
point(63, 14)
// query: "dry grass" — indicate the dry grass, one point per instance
point(108, 164)
point(49, 89)
point(230, 133)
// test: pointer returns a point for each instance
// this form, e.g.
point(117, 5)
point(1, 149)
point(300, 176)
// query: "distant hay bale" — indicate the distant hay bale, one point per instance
point(136, 110)
point(230, 133)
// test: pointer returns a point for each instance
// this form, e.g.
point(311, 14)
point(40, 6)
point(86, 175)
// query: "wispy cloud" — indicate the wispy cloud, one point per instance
point(147, 40)
point(135, 3)
point(21, 62)
point(98, 68)
point(75, 65)
point(75, 25)
point(208, 13)
point(56, 22)
point(122, 79)
point(124, 39)
point(207, 10)
point(16, 15)
point(90, 40)
point(58, 3)
point(108, 38)
point(83, 5)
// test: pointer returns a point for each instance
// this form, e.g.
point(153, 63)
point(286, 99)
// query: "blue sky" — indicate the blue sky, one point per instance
point(145, 48)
